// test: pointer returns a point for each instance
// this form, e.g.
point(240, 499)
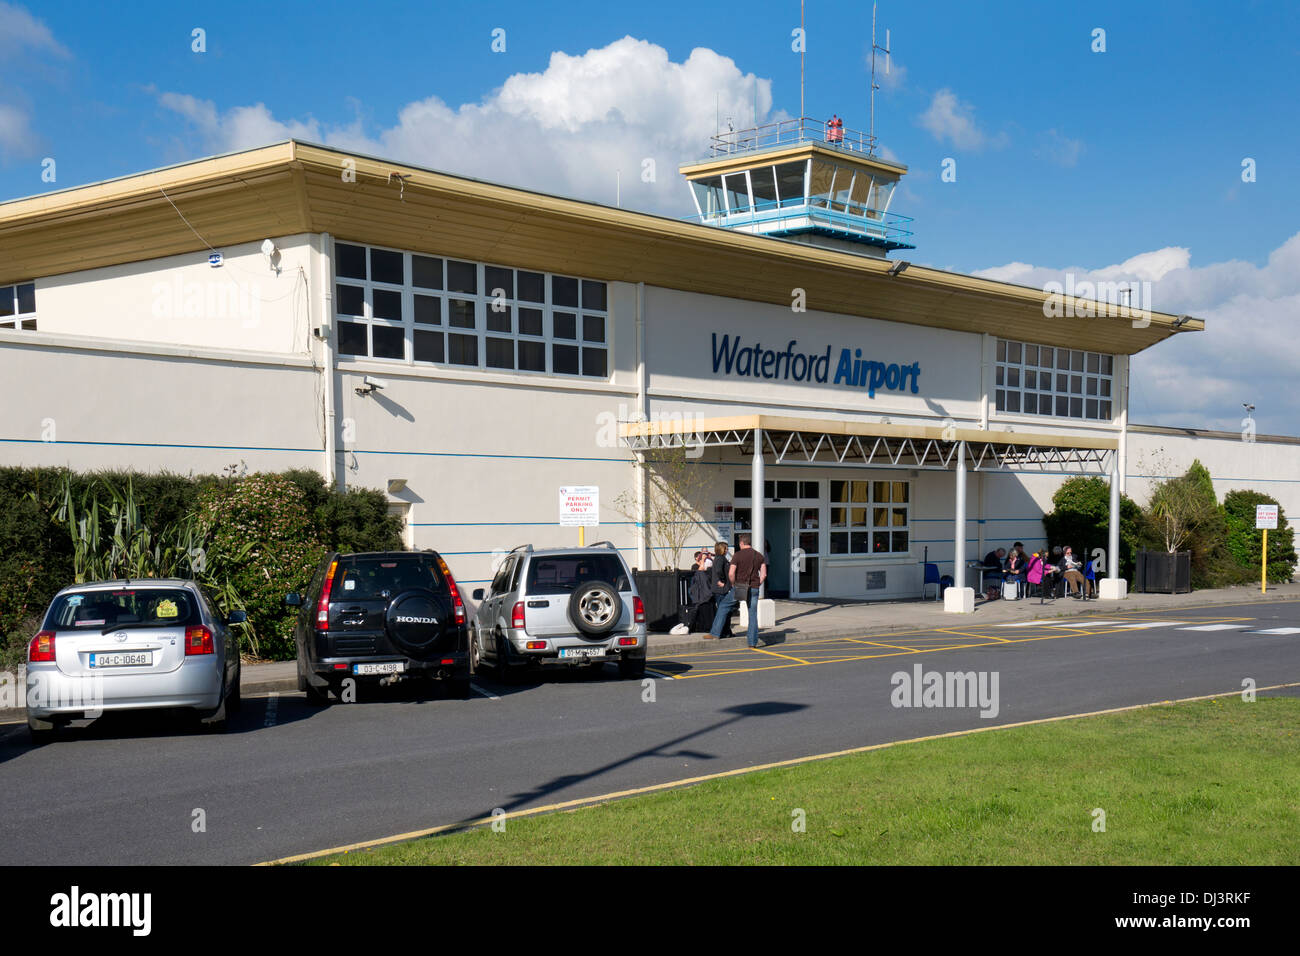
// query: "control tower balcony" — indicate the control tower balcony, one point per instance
point(804, 180)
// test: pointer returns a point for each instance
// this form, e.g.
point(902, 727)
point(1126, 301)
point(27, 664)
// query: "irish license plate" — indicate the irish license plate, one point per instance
point(582, 652)
point(386, 667)
point(122, 659)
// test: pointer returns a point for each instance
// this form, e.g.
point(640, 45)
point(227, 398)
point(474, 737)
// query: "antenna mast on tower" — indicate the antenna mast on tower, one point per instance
point(871, 135)
point(803, 48)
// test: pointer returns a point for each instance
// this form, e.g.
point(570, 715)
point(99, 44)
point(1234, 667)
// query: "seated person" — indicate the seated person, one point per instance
point(1073, 572)
point(991, 573)
point(1015, 566)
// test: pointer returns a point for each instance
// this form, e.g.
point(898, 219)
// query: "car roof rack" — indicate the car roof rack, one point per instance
point(603, 544)
point(526, 548)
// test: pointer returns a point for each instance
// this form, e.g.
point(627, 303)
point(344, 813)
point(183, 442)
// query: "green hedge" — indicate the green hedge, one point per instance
point(36, 555)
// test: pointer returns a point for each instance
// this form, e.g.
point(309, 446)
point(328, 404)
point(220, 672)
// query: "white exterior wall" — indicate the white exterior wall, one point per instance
point(483, 453)
point(182, 300)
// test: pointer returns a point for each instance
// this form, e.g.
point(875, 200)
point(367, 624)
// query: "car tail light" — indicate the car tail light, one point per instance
point(448, 660)
point(41, 647)
point(638, 610)
point(537, 645)
point(627, 642)
point(457, 603)
point(517, 617)
point(340, 667)
point(198, 640)
point(323, 605)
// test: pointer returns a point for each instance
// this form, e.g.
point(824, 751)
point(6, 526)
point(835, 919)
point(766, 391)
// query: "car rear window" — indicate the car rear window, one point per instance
point(560, 574)
point(366, 579)
point(123, 608)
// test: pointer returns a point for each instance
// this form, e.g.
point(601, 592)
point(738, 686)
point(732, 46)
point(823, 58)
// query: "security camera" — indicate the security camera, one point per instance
point(369, 385)
point(268, 247)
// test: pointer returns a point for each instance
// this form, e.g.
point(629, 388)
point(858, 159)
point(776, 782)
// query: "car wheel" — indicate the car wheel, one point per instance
point(631, 668)
point(475, 654)
point(505, 673)
point(235, 698)
point(214, 721)
point(41, 731)
point(317, 696)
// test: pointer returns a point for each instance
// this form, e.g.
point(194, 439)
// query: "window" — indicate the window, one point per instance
point(1043, 380)
point(870, 517)
point(18, 306)
point(407, 307)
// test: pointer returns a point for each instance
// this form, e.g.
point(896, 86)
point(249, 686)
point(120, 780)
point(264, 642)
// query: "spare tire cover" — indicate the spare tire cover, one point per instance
point(416, 619)
point(595, 608)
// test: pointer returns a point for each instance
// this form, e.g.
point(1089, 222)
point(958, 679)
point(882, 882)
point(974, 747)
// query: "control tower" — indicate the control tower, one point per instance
point(801, 180)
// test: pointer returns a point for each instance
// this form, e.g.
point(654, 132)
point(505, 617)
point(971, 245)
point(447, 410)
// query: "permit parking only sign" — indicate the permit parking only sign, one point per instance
point(579, 506)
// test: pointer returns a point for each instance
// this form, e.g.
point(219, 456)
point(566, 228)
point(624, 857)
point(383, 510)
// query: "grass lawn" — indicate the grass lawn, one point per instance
point(1212, 782)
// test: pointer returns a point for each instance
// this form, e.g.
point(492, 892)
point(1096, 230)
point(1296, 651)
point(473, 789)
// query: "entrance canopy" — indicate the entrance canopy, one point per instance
point(820, 441)
point(943, 447)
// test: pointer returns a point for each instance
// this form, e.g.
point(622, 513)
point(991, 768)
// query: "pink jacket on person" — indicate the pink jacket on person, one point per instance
point(1034, 570)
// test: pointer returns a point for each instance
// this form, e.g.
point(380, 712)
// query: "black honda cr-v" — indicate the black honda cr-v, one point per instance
point(381, 616)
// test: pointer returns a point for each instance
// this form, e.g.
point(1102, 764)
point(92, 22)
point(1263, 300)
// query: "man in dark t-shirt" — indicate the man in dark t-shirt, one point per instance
point(748, 571)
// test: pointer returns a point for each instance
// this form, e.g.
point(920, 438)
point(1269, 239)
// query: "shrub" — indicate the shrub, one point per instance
point(262, 543)
point(354, 520)
point(1244, 541)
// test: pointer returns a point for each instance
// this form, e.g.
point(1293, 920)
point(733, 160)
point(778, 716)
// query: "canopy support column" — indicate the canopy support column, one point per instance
point(1113, 587)
point(959, 599)
point(756, 496)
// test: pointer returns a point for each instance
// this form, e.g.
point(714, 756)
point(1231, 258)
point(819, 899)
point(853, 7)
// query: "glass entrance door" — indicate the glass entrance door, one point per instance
point(805, 563)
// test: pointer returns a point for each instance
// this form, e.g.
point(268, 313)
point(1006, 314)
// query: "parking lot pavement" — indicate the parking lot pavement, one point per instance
point(857, 630)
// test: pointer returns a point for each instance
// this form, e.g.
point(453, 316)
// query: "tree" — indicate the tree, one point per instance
point(675, 488)
point(1080, 518)
point(1181, 506)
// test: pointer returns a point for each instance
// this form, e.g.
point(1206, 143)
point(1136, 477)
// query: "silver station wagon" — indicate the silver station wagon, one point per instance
point(560, 607)
point(131, 645)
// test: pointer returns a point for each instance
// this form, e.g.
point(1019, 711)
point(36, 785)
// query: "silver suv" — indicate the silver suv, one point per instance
point(560, 607)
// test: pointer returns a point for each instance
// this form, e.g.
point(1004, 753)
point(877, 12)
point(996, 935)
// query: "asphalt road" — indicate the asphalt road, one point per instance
point(290, 778)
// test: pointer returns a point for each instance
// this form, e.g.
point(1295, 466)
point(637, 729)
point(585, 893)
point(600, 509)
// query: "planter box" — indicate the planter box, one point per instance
point(1162, 572)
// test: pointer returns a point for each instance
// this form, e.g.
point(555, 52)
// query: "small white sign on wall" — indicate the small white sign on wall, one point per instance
point(1266, 517)
point(579, 506)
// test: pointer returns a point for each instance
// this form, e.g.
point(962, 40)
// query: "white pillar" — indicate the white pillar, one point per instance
point(1113, 587)
point(959, 598)
point(756, 496)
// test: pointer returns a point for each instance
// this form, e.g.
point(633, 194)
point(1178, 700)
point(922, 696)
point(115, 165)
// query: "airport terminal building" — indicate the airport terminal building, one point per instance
point(473, 348)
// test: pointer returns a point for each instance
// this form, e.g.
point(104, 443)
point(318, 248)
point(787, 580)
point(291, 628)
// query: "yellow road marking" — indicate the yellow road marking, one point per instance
point(741, 771)
point(764, 650)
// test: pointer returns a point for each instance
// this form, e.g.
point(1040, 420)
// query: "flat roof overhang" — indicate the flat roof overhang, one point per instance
point(788, 154)
point(296, 187)
point(834, 442)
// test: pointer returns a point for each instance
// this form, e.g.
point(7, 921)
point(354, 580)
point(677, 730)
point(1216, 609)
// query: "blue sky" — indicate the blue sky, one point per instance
point(1067, 159)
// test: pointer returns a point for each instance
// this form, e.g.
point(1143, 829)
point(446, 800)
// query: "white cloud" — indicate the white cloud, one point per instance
point(240, 127)
point(15, 133)
point(948, 118)
point(19, 31)
point(1249, 351)
point(1058, 148)
point(566, 129)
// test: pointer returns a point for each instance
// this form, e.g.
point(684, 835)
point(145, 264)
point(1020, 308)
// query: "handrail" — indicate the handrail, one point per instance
point(791, 132)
